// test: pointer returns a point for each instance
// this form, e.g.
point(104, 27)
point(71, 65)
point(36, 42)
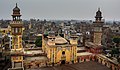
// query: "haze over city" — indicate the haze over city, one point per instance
point(61, 9)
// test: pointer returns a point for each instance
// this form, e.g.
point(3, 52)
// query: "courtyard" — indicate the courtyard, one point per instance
point(91, 65)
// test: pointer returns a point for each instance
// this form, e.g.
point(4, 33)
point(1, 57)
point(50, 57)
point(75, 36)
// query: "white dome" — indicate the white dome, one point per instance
point(60, 40)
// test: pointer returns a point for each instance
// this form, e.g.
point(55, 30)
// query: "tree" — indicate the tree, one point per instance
point(117, 41)
point(38, 41)
point(115, 51)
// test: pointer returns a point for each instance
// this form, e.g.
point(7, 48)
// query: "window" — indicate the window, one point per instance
point(16, 46)
point(63, 53)
point(117, 31)
point(16, 30)
point(11, 47)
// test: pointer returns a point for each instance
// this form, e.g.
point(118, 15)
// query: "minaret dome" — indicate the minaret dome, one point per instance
point(16, 13)
point(98, 15)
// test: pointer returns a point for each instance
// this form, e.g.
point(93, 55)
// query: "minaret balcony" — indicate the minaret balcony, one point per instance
point(19, 33)
point(14, 22)
point(17, 52)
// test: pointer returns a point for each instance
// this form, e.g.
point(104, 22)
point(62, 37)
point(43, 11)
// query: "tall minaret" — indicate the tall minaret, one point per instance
point(98, 28)
point(16, 33)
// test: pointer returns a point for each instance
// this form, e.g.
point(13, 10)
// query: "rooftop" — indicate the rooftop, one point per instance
point(39, 58)
point(60, 40)
point(78, 66)
point(84, 54)
point(33, 52)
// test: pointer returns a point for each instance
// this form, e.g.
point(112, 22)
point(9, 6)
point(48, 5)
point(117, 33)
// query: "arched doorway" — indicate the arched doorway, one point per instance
point(62, 61)
point(63, 58)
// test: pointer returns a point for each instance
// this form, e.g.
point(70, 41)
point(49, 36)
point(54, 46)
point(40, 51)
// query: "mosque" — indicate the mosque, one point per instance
point(59, 50)
point(55, 50)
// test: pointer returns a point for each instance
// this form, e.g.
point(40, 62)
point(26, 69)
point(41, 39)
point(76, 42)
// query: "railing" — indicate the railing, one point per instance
point(14, 22)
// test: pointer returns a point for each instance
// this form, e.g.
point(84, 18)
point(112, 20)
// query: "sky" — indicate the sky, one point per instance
point(61, 9)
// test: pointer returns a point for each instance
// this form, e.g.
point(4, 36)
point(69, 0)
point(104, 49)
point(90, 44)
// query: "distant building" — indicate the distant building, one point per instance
point(0, 42)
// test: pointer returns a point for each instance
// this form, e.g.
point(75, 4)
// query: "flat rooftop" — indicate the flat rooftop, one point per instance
point(81, 48)
point(84, 54)
point(33, 52)
point(39, 58)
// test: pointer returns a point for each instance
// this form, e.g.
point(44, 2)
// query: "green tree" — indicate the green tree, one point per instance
point(38, 41)
point(115, 51)
point(117, 41)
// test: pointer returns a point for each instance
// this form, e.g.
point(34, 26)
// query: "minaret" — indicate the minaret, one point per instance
point(16, 33)
point(97, 27)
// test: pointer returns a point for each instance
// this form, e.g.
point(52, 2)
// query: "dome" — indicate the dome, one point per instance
point(98, 13)
point(16, 11)
point(60, 40)
point(16, 8)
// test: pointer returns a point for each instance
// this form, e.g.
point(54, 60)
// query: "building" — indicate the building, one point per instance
point(5, 42)
point(16, 33)
point(10, 41)
point(0, 42)
point(59, 50)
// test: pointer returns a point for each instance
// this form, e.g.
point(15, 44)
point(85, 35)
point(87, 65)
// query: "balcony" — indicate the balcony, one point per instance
point(17, 52)
point(19, 33)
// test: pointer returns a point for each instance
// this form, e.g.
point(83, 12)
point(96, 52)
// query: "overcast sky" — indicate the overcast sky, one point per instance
point(61, 9)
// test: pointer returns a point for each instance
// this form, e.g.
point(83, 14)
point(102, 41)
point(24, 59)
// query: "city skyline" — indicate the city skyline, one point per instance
point(62, 9)
point(75, 44)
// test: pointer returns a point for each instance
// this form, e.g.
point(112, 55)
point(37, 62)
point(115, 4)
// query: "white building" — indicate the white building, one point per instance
point(10, 41)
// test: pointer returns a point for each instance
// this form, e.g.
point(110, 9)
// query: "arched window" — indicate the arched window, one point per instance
point(63, 52)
